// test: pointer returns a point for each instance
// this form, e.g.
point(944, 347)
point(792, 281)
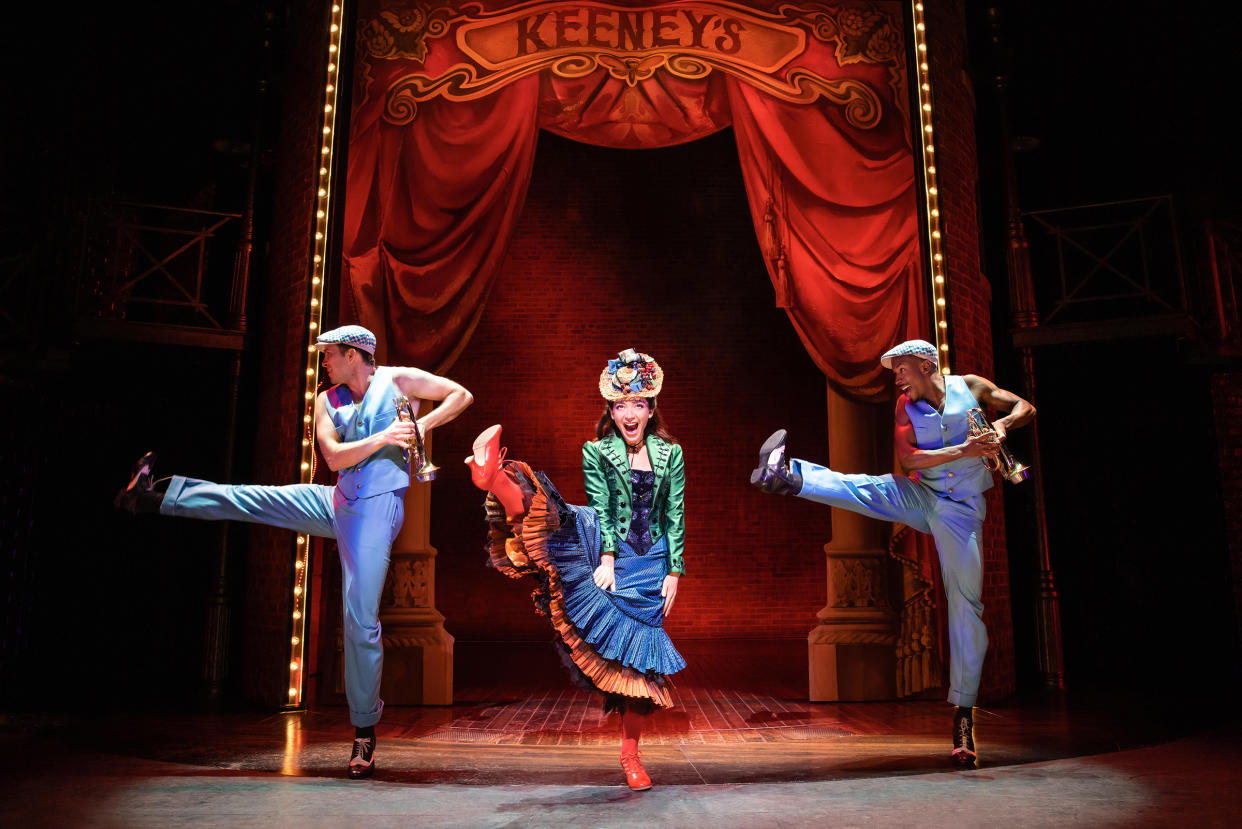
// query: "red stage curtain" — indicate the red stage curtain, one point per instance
point(433, 193)
point(429, 209)
point(839, 205)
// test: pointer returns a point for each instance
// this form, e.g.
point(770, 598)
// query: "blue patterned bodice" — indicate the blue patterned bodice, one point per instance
point(640, 525)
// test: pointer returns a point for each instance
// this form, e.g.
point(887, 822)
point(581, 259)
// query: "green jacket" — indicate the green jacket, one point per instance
point(606, 471)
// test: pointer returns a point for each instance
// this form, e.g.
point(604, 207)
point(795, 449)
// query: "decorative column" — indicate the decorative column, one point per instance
point(418, 651)
point(851, 651)
point(1049, 654)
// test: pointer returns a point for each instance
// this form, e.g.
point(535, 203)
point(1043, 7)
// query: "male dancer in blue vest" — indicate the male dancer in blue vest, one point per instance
point(363, 440)
point(943, 497)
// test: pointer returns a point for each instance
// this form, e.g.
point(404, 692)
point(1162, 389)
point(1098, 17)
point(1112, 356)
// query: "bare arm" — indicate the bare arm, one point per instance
point(988, 393)
point(423, 385)
point(339, 455)
point(912, 458)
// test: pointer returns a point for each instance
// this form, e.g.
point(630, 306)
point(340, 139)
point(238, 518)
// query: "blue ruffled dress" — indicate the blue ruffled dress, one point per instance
point(614, 639)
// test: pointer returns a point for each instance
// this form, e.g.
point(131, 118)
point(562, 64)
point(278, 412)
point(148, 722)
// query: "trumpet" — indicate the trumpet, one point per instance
point(1003, 462)
point(424, 470)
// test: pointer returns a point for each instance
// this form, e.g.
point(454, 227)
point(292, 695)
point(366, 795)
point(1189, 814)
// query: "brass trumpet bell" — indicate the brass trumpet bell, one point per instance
point(422, 469)
point(1010, 468)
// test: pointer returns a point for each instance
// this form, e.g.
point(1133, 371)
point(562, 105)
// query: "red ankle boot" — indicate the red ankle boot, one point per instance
point(488, 474)
point(635, 775)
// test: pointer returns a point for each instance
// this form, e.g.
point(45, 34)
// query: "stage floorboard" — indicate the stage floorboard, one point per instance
point(521, 746)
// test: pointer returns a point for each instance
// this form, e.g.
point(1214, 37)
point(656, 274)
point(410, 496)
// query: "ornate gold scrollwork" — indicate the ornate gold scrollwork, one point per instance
point(860, 34)
point(402, 33)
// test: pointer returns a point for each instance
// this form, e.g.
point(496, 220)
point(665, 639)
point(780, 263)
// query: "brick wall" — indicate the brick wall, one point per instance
point(1227, 411)
point(969, 295)
point(655, 250)
point(277, 319)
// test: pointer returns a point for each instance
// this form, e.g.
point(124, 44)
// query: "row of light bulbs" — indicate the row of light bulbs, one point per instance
point(931, 193)
point(301, 556)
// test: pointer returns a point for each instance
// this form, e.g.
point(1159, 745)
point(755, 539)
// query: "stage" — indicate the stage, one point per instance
point(742, 748)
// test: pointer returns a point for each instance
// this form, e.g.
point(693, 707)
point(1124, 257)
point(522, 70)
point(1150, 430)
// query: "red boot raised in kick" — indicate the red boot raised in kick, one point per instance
point(488, 474)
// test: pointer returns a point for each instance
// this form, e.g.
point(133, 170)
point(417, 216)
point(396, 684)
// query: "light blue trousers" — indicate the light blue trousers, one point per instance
point(364, 529)
point(956, 527)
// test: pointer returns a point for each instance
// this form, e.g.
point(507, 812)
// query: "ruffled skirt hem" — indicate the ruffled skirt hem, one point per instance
point(615, 653)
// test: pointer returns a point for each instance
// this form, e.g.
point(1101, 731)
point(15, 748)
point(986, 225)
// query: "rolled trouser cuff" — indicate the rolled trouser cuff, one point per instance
point(962, 699)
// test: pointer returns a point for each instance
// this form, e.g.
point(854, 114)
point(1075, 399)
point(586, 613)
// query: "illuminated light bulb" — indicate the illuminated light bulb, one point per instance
point(923, 66)
point(329, 88)
point(293, 666)
point(930, 148)
point(335, 8)
point(327, 107)
point(322, 192)
point(310, 372)
point(922, 47)
point(332, 48)
point(318, 258)
point(331, 67)
point(940, 302)
point(297, 591)
point(920, 27)
point(926, 87)
point(932, 190)
point(318, 236)
point(309, 395)
point(293, 692)
point(932, 169)
point(324, 151)
point(315, 281)
point(298, 564)
point(297, 614)
point(945, 371)
point(306, 419)
point(334, 27)
point(295, 640)
point(323, 171)
point(320, 213)
point(305, 466)
point(944, 347)
point(927, 128)
point(327, 130)
point(927, 107)
point(314, 303)
point(938, 257)
point(939, 279)
point(918, 6)
point(935, 212)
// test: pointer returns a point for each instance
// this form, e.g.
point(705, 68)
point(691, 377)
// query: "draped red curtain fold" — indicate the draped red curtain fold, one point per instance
point(434, 189)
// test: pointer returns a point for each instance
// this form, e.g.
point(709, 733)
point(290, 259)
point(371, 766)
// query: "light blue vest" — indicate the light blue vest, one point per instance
point(963, 478)
point(385, 470)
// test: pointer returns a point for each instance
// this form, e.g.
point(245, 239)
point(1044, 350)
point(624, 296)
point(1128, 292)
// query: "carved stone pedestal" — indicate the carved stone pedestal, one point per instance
point(851, 653)
point(418, 651)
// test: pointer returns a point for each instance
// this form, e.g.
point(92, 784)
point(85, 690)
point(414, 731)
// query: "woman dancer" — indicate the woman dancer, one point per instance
point(607, 573)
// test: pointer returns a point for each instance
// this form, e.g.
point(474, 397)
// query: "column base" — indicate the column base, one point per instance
point(851, 671)
point(418, 660)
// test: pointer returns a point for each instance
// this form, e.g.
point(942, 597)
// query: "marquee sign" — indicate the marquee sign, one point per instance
point(689, 40)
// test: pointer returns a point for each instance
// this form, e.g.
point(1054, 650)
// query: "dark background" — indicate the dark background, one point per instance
point(155, 102)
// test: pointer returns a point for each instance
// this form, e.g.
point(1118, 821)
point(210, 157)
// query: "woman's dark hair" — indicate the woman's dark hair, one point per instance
point(655, 426)
point(366, 356)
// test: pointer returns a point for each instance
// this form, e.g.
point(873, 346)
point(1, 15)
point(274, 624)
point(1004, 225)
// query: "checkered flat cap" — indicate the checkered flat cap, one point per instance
point(354, 335)
point(910, 348)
